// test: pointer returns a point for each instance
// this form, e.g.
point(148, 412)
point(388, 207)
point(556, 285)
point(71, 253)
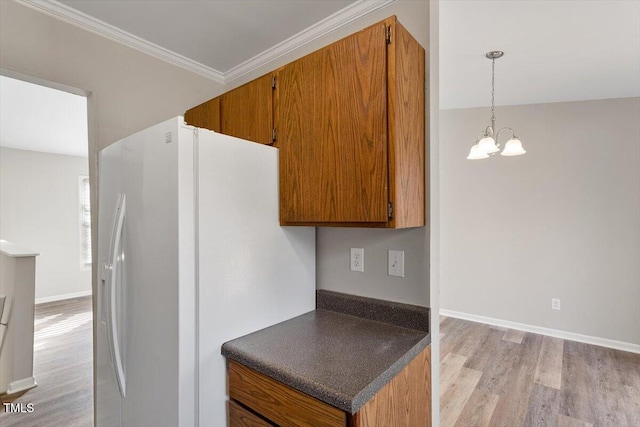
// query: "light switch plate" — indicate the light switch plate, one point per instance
point(357, 259)
point(396, 263)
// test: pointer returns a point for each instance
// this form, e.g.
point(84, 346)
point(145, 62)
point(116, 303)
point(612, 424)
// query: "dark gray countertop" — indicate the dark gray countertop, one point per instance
point(340, 359)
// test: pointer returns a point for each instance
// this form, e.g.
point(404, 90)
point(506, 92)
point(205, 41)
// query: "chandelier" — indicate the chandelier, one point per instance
point(487, 142)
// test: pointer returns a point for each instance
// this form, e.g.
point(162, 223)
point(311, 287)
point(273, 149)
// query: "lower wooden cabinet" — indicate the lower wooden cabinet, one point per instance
point(258, 400)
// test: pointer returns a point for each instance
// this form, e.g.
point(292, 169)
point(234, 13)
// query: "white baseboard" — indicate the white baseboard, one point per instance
point(571, 336)
point(63, 296)
point(21, 385)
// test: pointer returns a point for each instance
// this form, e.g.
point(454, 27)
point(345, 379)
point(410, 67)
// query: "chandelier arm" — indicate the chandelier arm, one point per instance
point(513, 133)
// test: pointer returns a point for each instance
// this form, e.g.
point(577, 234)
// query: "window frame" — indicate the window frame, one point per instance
point(84, 201)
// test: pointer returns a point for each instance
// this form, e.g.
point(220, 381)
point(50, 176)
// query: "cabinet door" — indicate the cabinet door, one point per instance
point(205, 115)
point(404, 401)
point(331, 119)
point(247, 111)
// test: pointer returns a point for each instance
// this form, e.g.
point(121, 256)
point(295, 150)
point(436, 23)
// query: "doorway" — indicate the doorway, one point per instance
point(45, 206)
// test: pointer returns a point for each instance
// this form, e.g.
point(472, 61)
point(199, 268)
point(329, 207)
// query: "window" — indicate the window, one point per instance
point(85, 223)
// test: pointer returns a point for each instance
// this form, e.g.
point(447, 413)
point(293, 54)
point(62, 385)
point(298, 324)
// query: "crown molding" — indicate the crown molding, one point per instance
point(74, 17)
point(331, 23)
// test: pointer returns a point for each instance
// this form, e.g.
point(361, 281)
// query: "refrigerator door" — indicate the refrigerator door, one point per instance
point(137, 321)
point(151, 276)
point(108, 409)
point(252, 272)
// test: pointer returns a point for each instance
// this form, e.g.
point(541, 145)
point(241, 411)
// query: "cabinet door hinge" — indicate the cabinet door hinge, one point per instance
point(273, 82)
point(388, 35)
point(274, 135)
point(390, 210)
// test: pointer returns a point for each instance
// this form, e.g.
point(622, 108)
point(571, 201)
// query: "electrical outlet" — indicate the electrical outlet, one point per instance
point(357, 259)
point(396, 263)
point(555, 303)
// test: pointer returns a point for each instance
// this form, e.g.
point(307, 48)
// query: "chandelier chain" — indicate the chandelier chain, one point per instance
point(493, 88)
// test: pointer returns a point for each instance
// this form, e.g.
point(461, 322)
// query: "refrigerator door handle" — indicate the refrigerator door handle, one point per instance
point(116, 241)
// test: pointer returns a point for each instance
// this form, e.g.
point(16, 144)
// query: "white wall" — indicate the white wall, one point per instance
point(562, 221)
point(39, 209)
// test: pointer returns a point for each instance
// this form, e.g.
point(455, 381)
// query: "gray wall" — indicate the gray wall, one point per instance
point(562, 221)
point(39, 209)
point(332, 265)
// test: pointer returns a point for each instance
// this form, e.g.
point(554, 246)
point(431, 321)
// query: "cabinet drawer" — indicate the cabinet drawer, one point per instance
point(240, 417)
point(278, 402)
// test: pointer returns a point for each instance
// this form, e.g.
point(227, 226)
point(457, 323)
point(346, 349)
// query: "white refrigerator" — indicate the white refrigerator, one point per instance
point(191, 255)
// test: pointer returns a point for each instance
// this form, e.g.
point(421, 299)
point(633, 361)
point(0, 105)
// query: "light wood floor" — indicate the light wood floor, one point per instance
point(63, 368)
point(491, 376)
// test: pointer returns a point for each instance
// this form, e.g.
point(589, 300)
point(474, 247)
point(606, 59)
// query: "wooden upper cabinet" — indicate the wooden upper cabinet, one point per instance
point(331, 118)
point(349, 120)
point(350, 123)
point(247, 111)
point(205, 115)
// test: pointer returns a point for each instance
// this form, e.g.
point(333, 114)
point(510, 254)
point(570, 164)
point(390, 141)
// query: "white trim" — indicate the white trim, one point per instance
point(42, 82)
point(21, 385)
point(571, 336)
point(62, 297)
point(84, 266)
point(331, 23)
point(339, 19)
point(81, 20)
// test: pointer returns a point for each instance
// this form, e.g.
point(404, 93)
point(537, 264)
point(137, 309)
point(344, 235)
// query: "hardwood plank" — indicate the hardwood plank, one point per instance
point(543, 406)
point(632, 405)
point(486, 351)
point(549, 367)
point(453, 334)
point(456, 396)
point(497, 372)
point(278, 402)
point(513, 335)
point(564, 421)
point(450, 368)
point(605, 398)
point(470, 340)
point(512, 409)
point(478, 410)
point(628, 366)
point(576, 386)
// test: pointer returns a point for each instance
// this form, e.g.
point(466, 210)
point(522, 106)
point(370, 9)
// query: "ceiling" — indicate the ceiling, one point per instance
point(555, 51)
point(219, 34)
point(561, 50)
point(38, 118)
